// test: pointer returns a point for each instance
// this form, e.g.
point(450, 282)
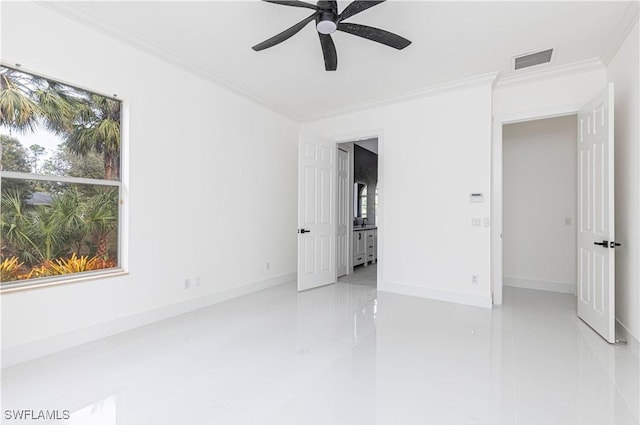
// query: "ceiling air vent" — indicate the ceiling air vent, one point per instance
point(532, 59)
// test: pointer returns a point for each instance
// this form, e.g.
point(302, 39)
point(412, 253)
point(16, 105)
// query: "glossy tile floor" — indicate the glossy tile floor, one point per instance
point(343, 354)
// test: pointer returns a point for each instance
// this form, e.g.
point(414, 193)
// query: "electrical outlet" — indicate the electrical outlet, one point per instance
point(474, 279)
point(187, 283)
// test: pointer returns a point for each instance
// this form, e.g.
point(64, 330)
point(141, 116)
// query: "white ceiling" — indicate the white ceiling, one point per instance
point(451, 40)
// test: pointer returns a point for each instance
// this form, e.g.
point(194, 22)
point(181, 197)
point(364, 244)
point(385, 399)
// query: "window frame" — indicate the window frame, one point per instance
point(122, 228)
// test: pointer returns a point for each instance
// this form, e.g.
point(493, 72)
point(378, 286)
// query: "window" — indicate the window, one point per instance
point(60, 180)
point(376, 205)
point(359, 200)
point(363, 202)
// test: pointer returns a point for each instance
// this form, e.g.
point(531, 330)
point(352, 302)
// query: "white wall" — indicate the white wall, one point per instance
point(539, 204)
point(540, 96)
point(197, 174)
point(433, 152)
point(623, 71)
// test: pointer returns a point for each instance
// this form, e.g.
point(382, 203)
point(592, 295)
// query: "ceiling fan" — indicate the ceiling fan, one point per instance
point(328, 20)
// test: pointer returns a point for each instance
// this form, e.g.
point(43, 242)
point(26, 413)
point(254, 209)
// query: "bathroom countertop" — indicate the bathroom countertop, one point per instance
point(360, 228)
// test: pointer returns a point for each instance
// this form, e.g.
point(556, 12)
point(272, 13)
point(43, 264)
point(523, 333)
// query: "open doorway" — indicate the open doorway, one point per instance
point(595, 208)
point(357, 211)
point(540, 204)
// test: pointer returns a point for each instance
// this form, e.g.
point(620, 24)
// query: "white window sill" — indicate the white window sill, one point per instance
point(61, 280)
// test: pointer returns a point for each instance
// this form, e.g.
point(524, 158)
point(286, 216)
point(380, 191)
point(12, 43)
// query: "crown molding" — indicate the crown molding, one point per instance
point(629, 20)
point(140, 43)
point(460, 84)
point(550, 73)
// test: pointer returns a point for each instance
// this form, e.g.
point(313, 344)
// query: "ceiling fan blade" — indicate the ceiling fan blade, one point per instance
point(284, 35)
point(375, 34)
point(329, 52)
point(356, 7)
point(293, 3)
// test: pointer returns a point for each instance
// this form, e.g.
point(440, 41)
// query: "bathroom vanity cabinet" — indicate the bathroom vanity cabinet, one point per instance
point(365, 245)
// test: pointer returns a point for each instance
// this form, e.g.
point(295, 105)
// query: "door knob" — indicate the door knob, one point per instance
point(613, 244)
point(603, 243)
point(304, 231)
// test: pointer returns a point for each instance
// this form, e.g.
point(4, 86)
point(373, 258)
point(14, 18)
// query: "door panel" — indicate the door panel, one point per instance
point(342, 175)
point(596, 231)
point(316, 212)
point(325, 191)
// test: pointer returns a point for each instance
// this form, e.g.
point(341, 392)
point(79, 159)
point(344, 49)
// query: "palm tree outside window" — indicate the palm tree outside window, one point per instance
point(60, 162)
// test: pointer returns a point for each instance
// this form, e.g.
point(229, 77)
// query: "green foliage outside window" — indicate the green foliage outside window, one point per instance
point(57, 214)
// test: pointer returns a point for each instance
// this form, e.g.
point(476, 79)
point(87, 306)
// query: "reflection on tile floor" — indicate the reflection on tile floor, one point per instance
point(362, 275)
point(342, 354)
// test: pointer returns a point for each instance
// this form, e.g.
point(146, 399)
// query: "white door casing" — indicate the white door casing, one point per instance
point(342, 177)
point(596, 231)
point(316, 212)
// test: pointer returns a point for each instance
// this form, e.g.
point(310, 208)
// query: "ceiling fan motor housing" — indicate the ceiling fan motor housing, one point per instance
point(326, 22)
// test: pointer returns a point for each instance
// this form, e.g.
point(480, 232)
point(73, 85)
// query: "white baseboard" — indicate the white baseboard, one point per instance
point(542, 285)
point(436, 294)
point(622, 333)
point(22, 353)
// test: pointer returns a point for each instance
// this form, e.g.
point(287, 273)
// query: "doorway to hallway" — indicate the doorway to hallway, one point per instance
point(356, 205)
point(539, 204)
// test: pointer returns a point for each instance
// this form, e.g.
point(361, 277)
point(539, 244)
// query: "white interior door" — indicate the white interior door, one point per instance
point(342, 175)
point(596, 232)
point(316, 212)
